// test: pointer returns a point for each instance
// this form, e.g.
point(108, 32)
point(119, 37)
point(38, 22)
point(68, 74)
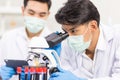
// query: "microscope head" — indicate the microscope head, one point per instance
point(38, 43)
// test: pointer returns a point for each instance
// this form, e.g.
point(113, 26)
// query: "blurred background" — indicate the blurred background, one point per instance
point(11, 17)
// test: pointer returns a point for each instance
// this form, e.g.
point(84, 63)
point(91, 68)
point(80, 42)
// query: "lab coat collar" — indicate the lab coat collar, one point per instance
point(106, 34)
point(22, 33)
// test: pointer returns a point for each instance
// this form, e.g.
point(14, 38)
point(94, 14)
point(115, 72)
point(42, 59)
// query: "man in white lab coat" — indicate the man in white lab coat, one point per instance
point(92, 51)
point(14, 44)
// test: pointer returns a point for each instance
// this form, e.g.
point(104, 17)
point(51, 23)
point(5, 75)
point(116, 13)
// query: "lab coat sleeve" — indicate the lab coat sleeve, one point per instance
point(3, 42)
point(1, 54)
point(64, 57)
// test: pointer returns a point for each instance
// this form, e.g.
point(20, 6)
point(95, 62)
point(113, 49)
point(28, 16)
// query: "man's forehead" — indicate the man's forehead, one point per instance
point(38, 6)
point(68, 27)
point(71, 26)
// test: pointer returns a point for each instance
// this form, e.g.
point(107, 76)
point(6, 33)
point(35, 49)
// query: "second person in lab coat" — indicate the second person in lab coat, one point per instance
point(14, 44)
point(92, 50)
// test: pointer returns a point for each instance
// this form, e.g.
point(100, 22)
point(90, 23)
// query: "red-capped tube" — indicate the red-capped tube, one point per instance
point(44, 70)
point(19, 70)
point(44, 73)
point(32, 72)
point(26, 72)
point(39, 70)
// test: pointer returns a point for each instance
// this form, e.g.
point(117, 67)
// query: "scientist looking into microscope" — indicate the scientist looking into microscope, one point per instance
point(92, 50)
point(14, 44)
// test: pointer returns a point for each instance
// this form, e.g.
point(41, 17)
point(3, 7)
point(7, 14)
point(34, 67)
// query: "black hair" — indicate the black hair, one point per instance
point(43, 1)
point(76, 12)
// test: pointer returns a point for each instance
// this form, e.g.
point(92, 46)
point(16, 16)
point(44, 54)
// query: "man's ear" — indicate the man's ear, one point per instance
point(23, 9)
point(93, 25)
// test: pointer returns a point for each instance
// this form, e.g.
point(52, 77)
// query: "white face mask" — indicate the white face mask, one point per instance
point(33, 24)
point(77, 43)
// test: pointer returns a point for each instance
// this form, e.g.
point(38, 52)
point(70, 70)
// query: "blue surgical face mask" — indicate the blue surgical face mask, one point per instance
point(33, 24)
point(77, 43)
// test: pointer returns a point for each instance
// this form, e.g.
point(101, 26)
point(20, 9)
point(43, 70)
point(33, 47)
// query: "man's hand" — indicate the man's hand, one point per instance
point(64, 75)
point(6, 72)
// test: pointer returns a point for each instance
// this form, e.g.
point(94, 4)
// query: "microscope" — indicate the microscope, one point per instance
point(40, 49)
point(42, 57)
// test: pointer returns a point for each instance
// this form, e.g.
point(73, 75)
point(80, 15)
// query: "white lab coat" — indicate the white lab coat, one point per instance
point(14, 44)
point(106, 63)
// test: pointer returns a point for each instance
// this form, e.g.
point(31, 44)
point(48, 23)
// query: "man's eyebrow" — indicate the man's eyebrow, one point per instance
point(68, 30)
point(39, 12)
point(43, 13)
point(31, 10)
point(71, 29)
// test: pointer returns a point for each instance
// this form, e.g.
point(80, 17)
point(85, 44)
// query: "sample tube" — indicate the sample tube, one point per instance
point(44, 73)
point(19, 70)
point(39, 75)
point(26, 72)
point(32, 72)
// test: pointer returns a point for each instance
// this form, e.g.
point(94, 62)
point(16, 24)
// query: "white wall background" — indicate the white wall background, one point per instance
point(109, 10)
